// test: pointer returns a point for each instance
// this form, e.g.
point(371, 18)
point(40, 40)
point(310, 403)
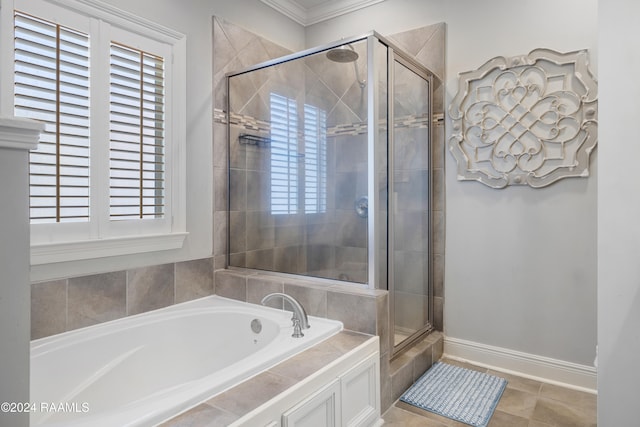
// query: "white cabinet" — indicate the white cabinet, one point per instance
point(344, 393)
point(352, 400)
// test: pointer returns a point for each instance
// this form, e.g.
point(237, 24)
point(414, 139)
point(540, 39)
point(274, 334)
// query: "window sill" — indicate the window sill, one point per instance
point(75, 251)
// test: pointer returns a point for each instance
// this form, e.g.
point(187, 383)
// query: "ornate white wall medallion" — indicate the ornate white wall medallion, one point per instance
point(527, 120)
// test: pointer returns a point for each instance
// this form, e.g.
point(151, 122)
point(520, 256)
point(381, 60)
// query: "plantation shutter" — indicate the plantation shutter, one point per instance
point(284, 155)
point(315, 160)
point(51, 84)
point(137, 134)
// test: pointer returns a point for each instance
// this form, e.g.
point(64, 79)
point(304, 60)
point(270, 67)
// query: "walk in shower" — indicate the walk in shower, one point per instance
point(330, 171)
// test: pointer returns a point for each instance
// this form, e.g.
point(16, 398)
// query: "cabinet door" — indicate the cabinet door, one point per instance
point(320, 410)
point(361, 395)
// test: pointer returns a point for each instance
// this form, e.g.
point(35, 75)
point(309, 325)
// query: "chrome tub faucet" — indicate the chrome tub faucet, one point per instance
point(299, 318)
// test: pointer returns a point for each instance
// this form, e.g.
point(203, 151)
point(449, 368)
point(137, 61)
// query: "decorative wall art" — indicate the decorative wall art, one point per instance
point(526, 120)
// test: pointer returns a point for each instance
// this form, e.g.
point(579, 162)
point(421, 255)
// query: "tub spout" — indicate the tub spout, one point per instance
point(299, 318)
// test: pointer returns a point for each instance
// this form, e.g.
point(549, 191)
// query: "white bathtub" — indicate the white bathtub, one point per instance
point(143, 369)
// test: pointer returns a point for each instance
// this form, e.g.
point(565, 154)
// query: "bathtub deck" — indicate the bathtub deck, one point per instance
point(231, 405)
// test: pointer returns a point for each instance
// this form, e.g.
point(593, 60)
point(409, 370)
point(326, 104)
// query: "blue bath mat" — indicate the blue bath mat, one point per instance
point(460, 394)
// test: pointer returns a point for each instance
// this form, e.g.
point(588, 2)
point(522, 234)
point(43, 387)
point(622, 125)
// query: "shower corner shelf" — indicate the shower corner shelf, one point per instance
point(526, 120)
point(248, 139)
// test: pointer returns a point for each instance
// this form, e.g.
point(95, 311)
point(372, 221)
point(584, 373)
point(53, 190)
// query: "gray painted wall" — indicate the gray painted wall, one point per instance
point(618, 213)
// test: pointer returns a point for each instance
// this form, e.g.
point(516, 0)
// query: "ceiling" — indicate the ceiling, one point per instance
point(307, 12)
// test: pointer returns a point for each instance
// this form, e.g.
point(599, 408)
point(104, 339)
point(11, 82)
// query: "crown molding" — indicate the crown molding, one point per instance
point(309, 15)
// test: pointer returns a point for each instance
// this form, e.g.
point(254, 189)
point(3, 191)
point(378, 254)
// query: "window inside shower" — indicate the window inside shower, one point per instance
point(285, 157)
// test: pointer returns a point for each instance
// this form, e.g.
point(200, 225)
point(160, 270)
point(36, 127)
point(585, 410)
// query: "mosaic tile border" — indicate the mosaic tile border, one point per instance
point(252, 124)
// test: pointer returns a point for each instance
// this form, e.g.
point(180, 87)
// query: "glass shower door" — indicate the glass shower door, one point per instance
point(410, 180)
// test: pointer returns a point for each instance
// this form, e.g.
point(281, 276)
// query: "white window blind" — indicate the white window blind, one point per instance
point(287, 161)
point(315, 160)
point(136, 134)
point(284, 155)
point(51, 83)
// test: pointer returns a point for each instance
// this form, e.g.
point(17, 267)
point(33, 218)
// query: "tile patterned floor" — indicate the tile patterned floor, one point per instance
point(524, 403)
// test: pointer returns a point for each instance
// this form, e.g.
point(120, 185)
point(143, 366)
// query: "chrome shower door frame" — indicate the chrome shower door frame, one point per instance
point(395, 55)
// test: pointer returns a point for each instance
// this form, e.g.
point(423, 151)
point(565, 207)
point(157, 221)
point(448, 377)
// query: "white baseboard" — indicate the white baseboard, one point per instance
point(545, 369)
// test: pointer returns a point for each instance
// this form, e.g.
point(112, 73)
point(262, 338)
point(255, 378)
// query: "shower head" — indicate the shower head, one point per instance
point(344, 53)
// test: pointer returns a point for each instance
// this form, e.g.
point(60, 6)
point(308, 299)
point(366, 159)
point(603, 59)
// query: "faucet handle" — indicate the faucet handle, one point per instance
point(297, 329)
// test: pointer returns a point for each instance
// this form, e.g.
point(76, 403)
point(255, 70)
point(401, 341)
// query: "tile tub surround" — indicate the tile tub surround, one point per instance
point(66, 304)
point(319, 298)
point(230, 406)
point(361, 310)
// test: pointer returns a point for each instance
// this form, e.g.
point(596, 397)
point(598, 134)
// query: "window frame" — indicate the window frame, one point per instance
point(101, 237)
